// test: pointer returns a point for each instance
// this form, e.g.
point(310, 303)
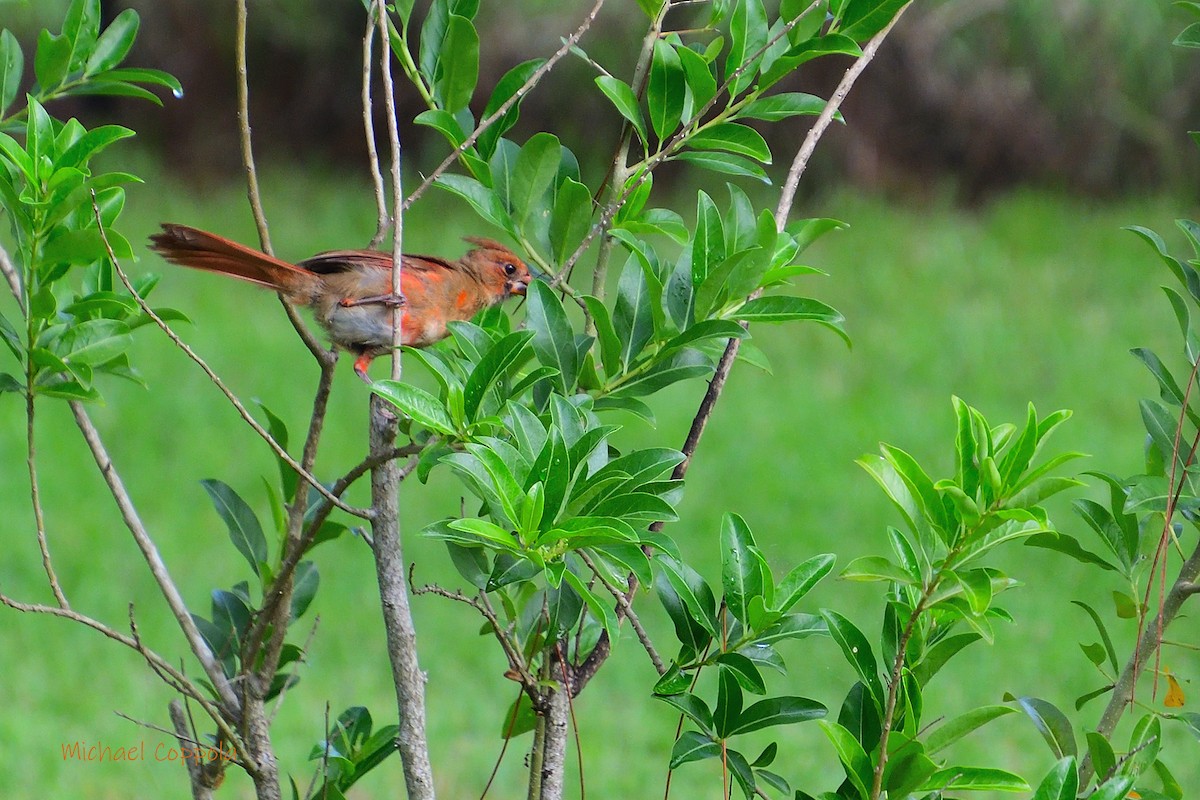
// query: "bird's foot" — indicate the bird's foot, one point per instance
point(389, 300)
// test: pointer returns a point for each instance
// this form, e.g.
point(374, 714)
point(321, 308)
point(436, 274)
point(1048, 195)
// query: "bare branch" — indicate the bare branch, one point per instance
point(35, 495)
point(383, 219)
point(407, 676)
point(243, 98)
point(179, 680)
point(627, 608)
point(533, 80)
point(183, 735)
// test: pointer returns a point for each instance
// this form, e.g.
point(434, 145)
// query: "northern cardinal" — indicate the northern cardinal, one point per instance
point(350, 291)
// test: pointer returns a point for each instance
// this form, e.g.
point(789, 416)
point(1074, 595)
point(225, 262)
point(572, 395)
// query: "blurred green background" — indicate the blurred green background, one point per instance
point(991, 157)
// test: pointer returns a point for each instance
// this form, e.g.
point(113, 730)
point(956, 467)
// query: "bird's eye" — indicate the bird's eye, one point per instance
point(509, 269)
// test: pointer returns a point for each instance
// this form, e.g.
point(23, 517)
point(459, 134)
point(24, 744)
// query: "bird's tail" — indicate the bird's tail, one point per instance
point(191, 247)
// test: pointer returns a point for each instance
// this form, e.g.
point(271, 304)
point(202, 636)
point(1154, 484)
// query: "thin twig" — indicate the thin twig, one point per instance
point(243, 100)
point(160, 663)
point(393, 128)
point(184, 736)
point(627, 608)
point(158, 568)
point(512, 723)
point(383, 219)
point(486, 123)
point(35, 495)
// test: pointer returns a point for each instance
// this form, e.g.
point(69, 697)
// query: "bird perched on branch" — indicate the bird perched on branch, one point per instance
point(350, 291)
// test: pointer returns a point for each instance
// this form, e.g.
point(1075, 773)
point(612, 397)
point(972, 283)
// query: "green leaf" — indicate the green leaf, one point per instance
point(1101, 753)
point(93, 342)
point(724, 163)
point(729, 704)
point(497, 364)
point(708, 244)
point(862, 19)
point(506, 87)
point(783, 710)
point(681, 366)
point(692, 746)
point(854, 759)
point(81, 26)
point(244, 528)
point(692, 591)
point(610, 345)
point(12, 65)
point(536, 166)
point(940, 653)
point(482, 199)
point(51, 61)
point(571, 218)
point(306, 580)
point(802, 579)
point(1104, 637)
point(877, 568)
point(701, 83)
point(975, 779)
point(733, 138)
point(114, 44)
point(748, 35)
point(632, 317)
point(784, 105)
point(857, 651)
point(418, 404)
point(951, 731)
point(1060, 783)
point(621, 96)
point(553, 338)
point(1189, 37)
point(782, 308)
point(692, 707)
point(458, 64)
point(666, 90)
point(1052, 724)
point(741, 578)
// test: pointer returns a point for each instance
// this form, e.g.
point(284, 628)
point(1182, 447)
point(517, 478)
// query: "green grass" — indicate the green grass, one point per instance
point(1031, 298)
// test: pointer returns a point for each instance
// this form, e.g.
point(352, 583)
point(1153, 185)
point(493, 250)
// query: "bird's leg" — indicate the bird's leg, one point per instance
point(389, 300)
point(360, 366)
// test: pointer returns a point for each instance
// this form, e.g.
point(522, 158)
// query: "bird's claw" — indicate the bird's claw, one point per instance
point(389, 300)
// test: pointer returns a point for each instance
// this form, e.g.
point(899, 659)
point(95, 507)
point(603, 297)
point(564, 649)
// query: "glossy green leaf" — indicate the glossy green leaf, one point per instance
point(571, 218)
point(854, 759)
point(692, 707)
point(114, 44)
point(784, 105)
point(244, 528)
point(632, 316)
point(496, 364)
point(782, 710)
point(952, 730)
point(1052, 724)
point(508, 86)
point(553, 338)
point(12, 66)
point(1060, 783)
point(802, 579)
point(724, 163)
point(535, 168)
point(665, 90)
point(94, 342)
point(621, 96)
point(876, 568)
point(748, 35)
point(683, 365)
point(783, 308)
point(306, 581)
point(862, 19)
point(693, 746)
point(975, 779)
point(51, 60)
point(741, 578)
point(701, 83)
point(692, 591)
point(857, 651)
point(417, 403)
point(733, 138)
point(729, 704)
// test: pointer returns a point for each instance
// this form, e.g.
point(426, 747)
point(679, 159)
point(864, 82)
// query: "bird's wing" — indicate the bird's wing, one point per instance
point(347, 260)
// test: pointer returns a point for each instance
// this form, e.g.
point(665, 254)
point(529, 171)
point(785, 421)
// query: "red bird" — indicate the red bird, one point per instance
point(350, 291)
